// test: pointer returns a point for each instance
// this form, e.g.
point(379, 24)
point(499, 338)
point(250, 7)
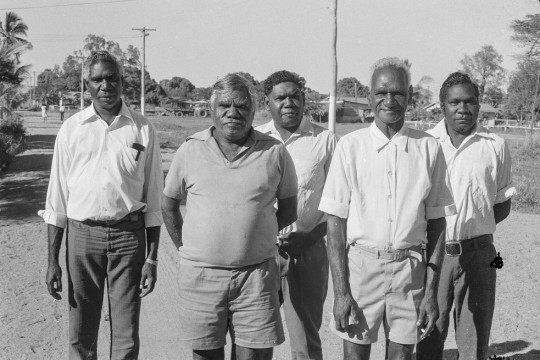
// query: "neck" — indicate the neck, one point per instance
point(228, 143)
point(457, 138)
point(284, 132)
point(389, 129)
point(108, 114)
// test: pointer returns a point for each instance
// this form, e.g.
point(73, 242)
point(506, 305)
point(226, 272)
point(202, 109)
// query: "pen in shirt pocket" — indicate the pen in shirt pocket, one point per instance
point(139, 148)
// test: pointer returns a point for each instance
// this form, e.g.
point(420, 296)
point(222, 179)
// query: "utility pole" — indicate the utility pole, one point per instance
point(533, 115)
point(333, 78)
point(82, 79)
point(144, 32)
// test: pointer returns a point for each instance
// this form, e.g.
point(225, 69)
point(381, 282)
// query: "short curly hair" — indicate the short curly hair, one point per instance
point(454, 79)
point(101, 56)
point(282, 76)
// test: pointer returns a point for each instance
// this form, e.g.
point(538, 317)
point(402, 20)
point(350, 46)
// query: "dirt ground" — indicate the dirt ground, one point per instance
point(33, 326)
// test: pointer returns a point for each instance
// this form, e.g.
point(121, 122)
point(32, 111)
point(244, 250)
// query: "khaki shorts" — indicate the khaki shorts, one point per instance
point(387, 292)
point(243, 301)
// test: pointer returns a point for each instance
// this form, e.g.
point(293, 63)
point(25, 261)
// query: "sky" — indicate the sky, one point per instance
point(203, 39)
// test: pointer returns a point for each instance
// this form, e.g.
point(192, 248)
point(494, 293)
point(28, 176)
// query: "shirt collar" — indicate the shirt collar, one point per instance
point(440, 131)
point(90, 114)
point(380, 140)
point(305, 128)
point(206, 134)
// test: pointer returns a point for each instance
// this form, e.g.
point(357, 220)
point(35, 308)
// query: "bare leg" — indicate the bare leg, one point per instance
point(352, 351)
point(397, 351)
point(214, 354)
point(243, 353)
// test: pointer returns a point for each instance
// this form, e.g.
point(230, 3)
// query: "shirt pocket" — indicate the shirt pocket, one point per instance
point(128, 160)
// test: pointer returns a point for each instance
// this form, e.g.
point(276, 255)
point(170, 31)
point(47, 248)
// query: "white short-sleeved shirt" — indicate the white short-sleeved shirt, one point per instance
point(230, 218)
point(387, 189)
point(481, 176)
point(97, 172)
point(311, 148)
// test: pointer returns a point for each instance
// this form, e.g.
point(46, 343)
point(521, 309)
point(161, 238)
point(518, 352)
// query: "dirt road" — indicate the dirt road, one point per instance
point(33, 326)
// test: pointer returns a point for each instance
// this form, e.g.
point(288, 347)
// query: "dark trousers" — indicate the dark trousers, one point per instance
point(97, 255)
point(304, 292)
point(468, 283)
point(61, 116)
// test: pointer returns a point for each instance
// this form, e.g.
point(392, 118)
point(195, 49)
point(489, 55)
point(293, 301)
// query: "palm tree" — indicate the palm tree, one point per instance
point(422, 95)
point(11, 71)
point(12, 31)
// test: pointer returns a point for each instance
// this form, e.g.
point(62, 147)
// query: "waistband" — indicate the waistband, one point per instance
point(134, 216)
point(456, 248)
point(389, 254)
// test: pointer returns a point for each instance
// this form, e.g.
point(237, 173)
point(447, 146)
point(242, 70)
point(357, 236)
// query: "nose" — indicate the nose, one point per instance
point(288, 101)
point(389, 99)
point(233, 112)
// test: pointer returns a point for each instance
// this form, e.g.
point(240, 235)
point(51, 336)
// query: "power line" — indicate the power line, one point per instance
point(64, 5)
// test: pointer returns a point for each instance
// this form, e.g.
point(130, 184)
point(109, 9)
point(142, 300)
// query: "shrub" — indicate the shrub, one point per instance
point(12, 140)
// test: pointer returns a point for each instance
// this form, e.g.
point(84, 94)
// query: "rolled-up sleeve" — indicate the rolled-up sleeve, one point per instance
point(288, 184)
point(505, 187)
point(336, 195)
point(153, 184)
point(57, 192)
point(440, 201)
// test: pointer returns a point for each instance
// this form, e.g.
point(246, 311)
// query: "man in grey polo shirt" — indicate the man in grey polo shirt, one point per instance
point(230, 176)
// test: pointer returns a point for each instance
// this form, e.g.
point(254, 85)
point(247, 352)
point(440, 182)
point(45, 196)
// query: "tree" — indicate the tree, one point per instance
point(177, 87)
point(522, 90)
point(12, 32)
point(345, 87)
point(203, 93)
point(494, 96)
point(484, 67)
point(527, 34)
point(11, 71)
point(422, 95)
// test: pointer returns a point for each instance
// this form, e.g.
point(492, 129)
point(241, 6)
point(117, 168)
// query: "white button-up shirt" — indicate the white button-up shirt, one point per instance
point(481, 176)
point(311, 148)
point(98, 174)
point(387, 189)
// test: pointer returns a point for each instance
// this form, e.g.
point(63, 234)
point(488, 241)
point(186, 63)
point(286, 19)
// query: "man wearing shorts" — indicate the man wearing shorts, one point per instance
point(230, 176)
point(386, 194)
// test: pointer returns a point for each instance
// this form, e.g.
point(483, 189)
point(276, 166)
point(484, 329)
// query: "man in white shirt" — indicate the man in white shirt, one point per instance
point(386, 194)
point(311, 148)
point(105, 189)
point(479, 165)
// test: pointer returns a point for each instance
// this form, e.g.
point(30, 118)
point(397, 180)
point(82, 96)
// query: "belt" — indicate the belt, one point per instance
point(131, 217)
point(456, 248)
point(388, 254)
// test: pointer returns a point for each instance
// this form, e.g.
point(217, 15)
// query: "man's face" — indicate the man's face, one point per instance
point(286, 105)
point(233, 114)
point(461, 108)
point(105, 85)
point(389, 96)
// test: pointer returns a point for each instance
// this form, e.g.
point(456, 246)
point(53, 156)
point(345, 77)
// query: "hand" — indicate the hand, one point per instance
point(294, 243)
point(148, 279)
point(345, 310)
point(429, 313)
point(53, 280)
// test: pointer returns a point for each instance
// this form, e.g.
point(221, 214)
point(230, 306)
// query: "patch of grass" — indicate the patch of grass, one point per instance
point(526, 173)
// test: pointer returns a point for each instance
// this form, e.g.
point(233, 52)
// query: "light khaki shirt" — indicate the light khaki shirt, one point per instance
point(311, 148)
point(481, 176)
point(96, 173)
point(387, 189)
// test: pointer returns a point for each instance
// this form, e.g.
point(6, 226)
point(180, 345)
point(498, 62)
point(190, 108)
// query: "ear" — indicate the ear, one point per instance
point(266, 103)
point(409, 102)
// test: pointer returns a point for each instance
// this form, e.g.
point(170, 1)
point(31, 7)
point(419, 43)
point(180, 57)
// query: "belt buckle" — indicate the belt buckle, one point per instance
point(453, 248)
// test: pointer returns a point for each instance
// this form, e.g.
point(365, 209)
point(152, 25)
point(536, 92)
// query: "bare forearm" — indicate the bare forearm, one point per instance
point(54, 235)
point(152, 242)
point(502, 210)
point(174, 222)
point(337, 253)
point(436, 231)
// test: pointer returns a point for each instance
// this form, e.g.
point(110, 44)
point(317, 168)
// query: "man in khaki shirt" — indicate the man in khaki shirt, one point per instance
point(311, 148)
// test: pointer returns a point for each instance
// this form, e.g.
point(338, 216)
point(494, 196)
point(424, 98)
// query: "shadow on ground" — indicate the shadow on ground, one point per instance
point(502, 351)
point(23, 187)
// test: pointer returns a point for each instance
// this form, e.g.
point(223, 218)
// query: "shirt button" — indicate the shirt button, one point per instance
point(389, 220)
point(389, 173)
